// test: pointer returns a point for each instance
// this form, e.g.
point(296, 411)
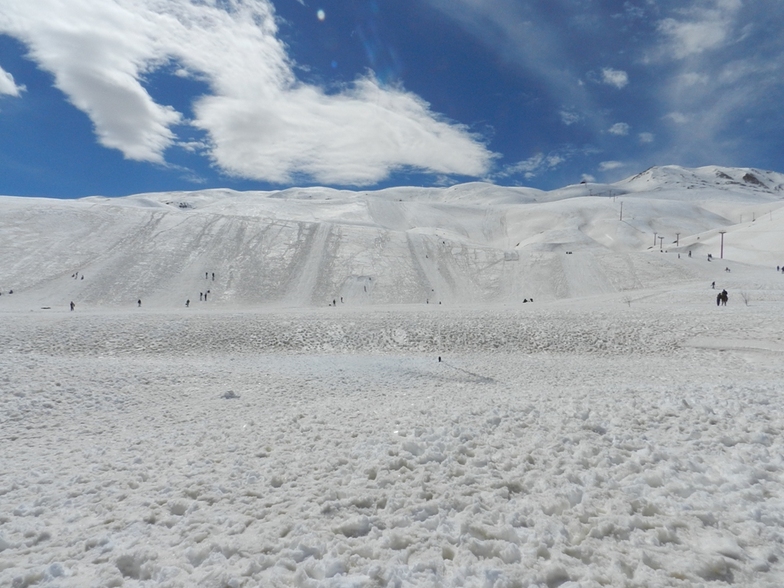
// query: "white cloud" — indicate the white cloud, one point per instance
point(352, 138)
point(687, 38)
point(646, 137)
point(569, 117)
point(262, 122)
point(621, 129)
point(677, 117)
point(614, 77)
point(534, 165)
point(7, 84)
point(699, 28)
point(610, 165)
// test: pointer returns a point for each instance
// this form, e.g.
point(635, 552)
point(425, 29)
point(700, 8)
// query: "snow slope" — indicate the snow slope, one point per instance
point(472, 243)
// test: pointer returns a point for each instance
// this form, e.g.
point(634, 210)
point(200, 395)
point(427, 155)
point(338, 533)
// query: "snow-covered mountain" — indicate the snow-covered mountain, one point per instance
point(469, 243)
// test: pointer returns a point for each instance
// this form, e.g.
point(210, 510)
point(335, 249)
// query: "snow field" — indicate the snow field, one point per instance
point(574, 446)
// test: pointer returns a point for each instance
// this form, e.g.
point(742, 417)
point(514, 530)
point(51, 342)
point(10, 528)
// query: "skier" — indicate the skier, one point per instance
point(72, 305)
point(187, 303)
point(139, 303)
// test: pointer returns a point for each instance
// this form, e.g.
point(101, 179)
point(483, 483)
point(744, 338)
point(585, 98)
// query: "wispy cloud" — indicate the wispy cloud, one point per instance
point(712, 64)
point(676, 117)
point(569, 117)
point(610, 165)
point(528, 34)
point(699, 27)
point(535, 165)
point(261, 121)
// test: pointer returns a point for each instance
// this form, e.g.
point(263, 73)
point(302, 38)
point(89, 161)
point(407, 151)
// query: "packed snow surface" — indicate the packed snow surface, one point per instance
point(567, 446)
point(620, 430)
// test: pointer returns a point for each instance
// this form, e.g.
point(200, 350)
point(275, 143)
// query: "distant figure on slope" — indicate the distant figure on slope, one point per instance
point(187, 303)
point(139, 303)
point(724, 297)
point(206, 275)
point(213, 276)
point(713, 285)
point(201, 296)
point(72, 305)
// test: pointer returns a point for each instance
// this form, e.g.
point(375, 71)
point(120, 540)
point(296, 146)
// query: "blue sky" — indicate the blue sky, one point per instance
point(116, 97)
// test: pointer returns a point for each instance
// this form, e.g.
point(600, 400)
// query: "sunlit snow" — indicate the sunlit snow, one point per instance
point(472, 386)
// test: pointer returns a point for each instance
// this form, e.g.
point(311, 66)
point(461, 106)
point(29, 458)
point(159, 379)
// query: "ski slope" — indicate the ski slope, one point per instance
point(468, 244)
